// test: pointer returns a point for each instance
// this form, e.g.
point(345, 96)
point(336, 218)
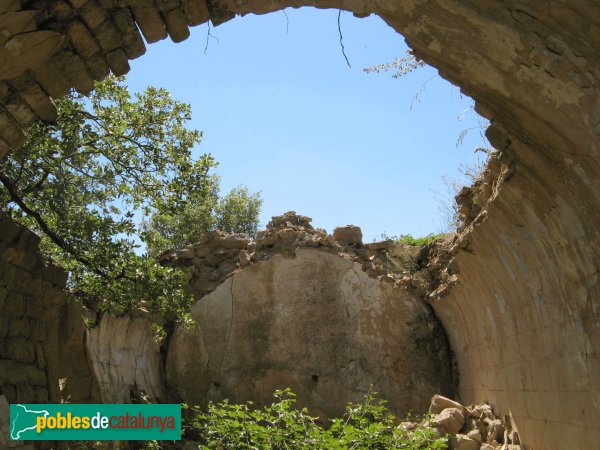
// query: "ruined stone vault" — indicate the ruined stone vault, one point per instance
point(294, 308)
point(520, 297)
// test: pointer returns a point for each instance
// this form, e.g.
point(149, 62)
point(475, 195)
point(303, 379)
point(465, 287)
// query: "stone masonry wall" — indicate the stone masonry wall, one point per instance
point(41, 329)
point(31, 295)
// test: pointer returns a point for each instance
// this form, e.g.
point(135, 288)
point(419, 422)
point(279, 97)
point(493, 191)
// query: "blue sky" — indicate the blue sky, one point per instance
point(283, 114)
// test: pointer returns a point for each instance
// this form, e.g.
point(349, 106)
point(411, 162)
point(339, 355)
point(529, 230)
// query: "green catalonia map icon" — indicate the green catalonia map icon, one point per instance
point(22, 420)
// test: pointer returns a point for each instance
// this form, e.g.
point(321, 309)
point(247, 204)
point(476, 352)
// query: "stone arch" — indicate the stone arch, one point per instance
point(521, 299)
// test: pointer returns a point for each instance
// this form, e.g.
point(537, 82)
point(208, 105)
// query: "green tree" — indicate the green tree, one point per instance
point(236, 212)
point(87, 182)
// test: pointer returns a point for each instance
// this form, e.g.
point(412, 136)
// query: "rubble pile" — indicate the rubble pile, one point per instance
point(219, 255)
point(474, 427)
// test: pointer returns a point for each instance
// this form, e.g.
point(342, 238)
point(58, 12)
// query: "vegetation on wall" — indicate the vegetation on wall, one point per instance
point(451, 221)
point(115, 173)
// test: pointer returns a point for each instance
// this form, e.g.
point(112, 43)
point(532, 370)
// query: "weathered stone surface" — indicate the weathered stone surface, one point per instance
point(16, 22)
point(5, 423)
point(316, 323)
point(151, 24)
point(462, 442)
point(495, 430)
point(52, 81)
point(475, 435)
point(439, 403)
point(37, 323)
point(350, 234)
point(449, 421)
point(196, 12)
point(75, 71)
point(133, 42)
point(125, 359)
point(27, 51)
point(10, 131)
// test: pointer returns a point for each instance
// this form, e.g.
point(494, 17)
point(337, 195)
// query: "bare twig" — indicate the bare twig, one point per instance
point(417, 98)
point(342, 38)
point(463, 135)
point(208, 36)
point(287, 22)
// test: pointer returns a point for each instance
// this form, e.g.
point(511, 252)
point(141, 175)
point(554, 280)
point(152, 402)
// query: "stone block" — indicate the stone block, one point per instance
point(3, 296)
point(439, 403)
point(4, 321)
point(92, 14)
point(108, 36)
point(8, 229)
point(52, 81)
point(349, 234)
point(25, 393)
point(39, 102)
point(133, 42)
point(118, 62)
point(10, 131)
point(14, 305)
point(26, 259)
point(20, 110)
point(40, 395)
point(73, 68)
point(462, 442)
point(196, 11)
point(176, 25)
point(27, 51)
point(19, 327)
point(97, 66)
point(449, 421)
point(20, 349)
point(34, 376)
point(152, 26)
point(10, 392)
point(82, 40)
point(5, 423)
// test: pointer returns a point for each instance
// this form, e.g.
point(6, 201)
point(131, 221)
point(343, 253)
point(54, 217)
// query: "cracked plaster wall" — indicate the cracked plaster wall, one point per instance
point(125, 359)
point(314, 322)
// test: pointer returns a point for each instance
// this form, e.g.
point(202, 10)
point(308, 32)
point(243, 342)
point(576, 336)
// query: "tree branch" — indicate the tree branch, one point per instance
point(60, 242)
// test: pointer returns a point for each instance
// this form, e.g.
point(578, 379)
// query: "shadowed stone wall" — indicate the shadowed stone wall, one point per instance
point(41, 329)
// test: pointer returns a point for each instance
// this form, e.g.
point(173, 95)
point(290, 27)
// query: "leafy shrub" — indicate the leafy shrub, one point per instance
point(408, 239)
point(366, 425)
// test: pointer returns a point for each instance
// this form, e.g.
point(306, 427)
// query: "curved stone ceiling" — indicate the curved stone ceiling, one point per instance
point(521, 299)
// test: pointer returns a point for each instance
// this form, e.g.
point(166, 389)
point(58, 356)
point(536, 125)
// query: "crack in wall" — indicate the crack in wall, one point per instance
point(230, 328)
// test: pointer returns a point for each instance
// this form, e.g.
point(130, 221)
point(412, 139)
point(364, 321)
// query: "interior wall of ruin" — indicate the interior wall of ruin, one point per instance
point(41, 329)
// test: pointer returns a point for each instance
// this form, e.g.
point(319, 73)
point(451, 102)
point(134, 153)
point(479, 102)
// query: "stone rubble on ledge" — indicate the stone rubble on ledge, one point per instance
point(219, 255)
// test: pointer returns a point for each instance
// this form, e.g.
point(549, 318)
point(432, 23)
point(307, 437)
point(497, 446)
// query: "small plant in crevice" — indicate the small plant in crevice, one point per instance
point(365, 425)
